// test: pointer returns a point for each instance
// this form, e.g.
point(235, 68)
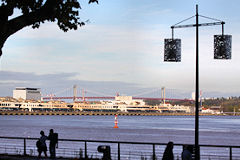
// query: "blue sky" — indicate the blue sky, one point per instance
point(123, 43)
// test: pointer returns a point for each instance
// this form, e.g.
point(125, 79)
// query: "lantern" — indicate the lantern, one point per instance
point(172, 50)
point(222, 46)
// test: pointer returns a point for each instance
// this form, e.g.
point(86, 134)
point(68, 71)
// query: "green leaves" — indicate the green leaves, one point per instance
point(35, 12)
point(67, 15)
point(93, 1)
point(65, 12)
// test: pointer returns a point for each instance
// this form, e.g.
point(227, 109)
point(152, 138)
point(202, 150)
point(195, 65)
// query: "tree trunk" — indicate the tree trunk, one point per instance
point(2, 41)
point(9, 27)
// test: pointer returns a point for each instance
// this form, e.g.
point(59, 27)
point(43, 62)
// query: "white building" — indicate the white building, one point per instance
point(212, 110)
point(27, 93)
point(193, 96)
point(127, 100)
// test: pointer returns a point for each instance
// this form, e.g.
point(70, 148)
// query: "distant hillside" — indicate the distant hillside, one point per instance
point(227, 104)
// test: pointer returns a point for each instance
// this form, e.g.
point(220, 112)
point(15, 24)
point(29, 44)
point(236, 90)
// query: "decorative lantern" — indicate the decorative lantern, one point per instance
point(222, 46)
point(172, 50)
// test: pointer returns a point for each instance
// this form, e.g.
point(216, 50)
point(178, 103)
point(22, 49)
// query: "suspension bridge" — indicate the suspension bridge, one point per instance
point(73, 93)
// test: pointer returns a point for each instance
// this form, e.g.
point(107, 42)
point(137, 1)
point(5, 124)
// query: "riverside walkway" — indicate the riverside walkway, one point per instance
point(22, 157)
point(21, 148)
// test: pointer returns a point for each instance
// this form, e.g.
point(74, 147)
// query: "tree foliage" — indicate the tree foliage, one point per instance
point(35, 12)
point(152, 102)
point(228, 104)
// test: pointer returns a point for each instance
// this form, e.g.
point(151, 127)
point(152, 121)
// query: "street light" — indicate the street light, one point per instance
point(222, 50)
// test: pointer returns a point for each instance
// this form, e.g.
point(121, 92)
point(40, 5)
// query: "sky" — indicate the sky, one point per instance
point(122, 50)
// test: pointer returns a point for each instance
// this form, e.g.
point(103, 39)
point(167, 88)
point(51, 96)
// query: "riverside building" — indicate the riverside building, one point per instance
point(119, 104)
point(27, 93)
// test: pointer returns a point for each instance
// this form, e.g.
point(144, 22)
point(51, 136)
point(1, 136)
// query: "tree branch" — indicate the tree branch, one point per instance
point(5, 12)
point(12, 26)
point(35, 12)
point(44, 13)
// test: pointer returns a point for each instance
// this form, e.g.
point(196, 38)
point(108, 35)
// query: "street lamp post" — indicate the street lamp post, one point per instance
point(197, 152)
point(222, 50)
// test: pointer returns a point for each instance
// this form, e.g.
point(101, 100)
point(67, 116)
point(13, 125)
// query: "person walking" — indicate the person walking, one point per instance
point(186, 154)
point(41, 144)
point(168, 153)
point(53, 137)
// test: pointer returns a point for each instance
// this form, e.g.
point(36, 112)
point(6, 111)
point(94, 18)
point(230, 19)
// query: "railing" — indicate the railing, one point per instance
point(119, 150)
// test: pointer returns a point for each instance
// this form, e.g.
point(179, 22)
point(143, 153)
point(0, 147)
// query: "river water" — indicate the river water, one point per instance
point(213, 130)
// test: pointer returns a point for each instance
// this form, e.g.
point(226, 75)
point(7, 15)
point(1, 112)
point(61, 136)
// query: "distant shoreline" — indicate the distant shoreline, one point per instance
point(78, 113)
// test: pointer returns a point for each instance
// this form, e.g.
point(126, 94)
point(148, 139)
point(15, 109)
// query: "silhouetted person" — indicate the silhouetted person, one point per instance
point(168, 153)
point(41, 144)
point(53, 137)
point(106, 150)
point(186, 154)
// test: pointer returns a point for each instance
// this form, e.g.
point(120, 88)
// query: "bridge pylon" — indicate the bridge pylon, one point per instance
point(74, 92)
point(163, 94)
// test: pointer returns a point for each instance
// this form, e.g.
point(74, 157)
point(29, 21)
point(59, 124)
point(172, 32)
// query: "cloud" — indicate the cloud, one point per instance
point(61, 84)
point(92, 51)
point(121, 50)
point(55, 83)
point(115, 53)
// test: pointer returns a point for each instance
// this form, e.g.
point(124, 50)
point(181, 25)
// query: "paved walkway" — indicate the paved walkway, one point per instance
point(20, 157)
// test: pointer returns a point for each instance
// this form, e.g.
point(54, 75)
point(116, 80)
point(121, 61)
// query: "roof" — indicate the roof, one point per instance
point(26, 88)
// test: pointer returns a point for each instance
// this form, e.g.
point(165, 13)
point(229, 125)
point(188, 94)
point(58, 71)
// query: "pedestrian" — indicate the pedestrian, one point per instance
point(168, 153)
point(53, 137)
point(186, 153)
point(41, 144)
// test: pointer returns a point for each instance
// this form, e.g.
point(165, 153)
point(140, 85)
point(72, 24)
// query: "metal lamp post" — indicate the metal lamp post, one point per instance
point(222, 50)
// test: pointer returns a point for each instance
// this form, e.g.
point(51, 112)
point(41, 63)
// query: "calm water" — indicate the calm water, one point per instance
point(220, 130)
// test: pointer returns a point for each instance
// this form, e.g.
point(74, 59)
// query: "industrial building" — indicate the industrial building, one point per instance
point(27, 93)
